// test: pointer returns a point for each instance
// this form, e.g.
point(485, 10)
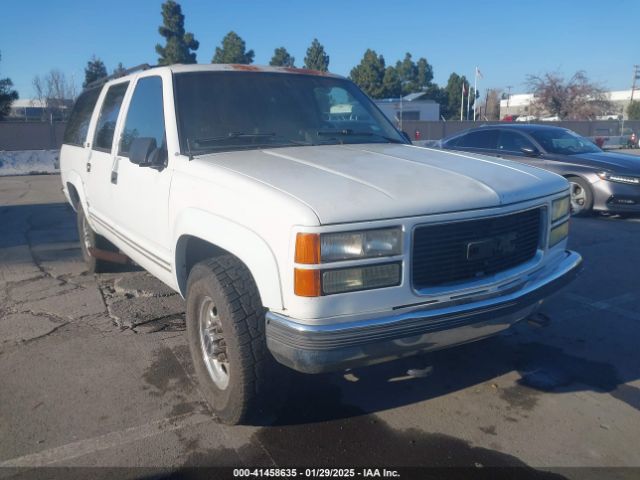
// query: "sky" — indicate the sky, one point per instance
point(506, 39)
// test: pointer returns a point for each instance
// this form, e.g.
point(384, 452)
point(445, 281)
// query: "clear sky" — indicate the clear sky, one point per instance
point(507, 39)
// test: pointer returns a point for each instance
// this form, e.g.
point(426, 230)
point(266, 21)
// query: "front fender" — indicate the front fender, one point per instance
point(236, 239)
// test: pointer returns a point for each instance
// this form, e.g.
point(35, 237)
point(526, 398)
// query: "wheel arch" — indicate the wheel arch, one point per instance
point(200, 235)
point(74, 191)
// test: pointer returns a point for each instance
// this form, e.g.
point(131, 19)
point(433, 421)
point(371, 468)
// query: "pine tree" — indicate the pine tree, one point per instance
point(369, 74)
point(7, 96)
point(316, 58)
point(94, 70)
point(119, 70)
point(414, 77)
point(282, 58)
point(391, 83)
point(425, 74)
point(178, 44)
point(233, 50)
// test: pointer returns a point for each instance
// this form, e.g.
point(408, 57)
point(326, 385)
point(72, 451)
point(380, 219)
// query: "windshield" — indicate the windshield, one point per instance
point(223, 111)
point(563, 142)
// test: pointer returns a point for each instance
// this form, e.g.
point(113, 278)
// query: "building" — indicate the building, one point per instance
point(409, 107)
point(520, 104)
point(34, 110)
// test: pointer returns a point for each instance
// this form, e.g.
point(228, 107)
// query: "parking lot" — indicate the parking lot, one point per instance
point(94, 371)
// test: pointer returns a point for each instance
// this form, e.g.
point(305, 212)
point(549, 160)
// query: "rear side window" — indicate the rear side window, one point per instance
point(513, 142)
point(109, 116)
point(145, 117)
point(485, 139)
point(78, 124)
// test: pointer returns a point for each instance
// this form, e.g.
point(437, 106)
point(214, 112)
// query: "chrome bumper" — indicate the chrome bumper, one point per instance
point(323, 348)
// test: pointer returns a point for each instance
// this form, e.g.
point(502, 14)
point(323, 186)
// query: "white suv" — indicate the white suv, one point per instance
point(302, 237)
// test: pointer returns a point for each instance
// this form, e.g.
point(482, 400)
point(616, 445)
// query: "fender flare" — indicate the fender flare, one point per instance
point(236, 239)
point(74, 179)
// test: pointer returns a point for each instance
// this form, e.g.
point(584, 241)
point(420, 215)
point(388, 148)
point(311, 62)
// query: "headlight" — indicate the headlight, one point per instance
point(612, 177)
point(560, 208)
point(364, 244)
point(558, 233)
point(360, 278)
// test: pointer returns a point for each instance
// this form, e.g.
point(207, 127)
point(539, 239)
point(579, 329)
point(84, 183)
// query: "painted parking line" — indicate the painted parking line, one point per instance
point(104, 442)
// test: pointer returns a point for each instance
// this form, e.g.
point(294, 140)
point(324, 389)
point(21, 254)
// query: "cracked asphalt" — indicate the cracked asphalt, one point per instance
point(94, 371)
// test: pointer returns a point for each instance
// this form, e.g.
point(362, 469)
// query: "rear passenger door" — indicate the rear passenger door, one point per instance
point(141, 193)
point(101, 158)
point(511, 145)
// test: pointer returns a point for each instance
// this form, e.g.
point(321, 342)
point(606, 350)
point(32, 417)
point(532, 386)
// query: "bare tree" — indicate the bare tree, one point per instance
point(576, 99)
point(55, 93)
point(492, 101)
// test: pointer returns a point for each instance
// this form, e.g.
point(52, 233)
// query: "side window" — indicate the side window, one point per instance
point(513, 142)
point(109, 111)
point(485, 139)
point(145, 117)
point(78, 124)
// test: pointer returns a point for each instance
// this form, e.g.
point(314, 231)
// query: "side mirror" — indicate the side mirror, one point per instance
point(406, 136)
point(144, 152)
point(530, 151)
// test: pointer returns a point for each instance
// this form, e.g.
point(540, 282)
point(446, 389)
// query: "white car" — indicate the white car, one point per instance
point(302, 239)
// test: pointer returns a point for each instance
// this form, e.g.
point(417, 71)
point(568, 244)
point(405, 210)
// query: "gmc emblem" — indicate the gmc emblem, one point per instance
point(491, 247)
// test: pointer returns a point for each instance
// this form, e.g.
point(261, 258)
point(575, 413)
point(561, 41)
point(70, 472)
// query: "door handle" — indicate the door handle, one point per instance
point(88, 166)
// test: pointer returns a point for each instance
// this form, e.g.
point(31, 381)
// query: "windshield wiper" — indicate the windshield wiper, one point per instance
point(231, 135)
point(349, 132)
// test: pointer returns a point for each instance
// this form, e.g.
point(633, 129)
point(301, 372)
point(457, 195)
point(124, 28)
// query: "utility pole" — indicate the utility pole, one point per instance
point(509, 87)
point(636, 76)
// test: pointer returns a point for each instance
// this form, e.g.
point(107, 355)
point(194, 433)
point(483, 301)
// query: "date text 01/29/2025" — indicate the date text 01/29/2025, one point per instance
point(315, 472)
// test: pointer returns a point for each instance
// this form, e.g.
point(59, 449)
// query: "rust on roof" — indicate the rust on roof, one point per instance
point(306, 71)
point(248, 68)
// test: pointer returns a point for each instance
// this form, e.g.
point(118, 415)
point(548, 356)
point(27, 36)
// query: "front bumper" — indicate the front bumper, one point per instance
point(616, 197)
point(323, 348)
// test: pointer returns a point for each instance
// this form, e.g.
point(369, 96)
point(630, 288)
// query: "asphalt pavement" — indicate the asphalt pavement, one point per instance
point(94, 372)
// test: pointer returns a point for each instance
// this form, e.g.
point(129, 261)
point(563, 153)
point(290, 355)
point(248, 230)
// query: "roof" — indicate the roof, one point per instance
point(234, 67)
point(210, 67)
point(525, 127)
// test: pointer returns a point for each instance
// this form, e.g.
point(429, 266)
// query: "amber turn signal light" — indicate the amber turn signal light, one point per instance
point(308, 248)
point(306, 283)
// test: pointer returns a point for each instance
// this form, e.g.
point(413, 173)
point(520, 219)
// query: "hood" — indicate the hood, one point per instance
point(609, 161)
point(350, 183)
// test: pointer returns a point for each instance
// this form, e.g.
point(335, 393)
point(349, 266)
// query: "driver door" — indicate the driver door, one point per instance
point(141, 193)
point(511, 145)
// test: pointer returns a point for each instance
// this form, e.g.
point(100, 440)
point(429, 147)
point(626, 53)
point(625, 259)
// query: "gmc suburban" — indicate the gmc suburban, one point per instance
point(302, 228)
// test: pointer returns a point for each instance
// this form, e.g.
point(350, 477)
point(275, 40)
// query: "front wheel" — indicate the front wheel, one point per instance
point(581, 197)
point(226, 334)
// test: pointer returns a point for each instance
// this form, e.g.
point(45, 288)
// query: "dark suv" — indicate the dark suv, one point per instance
point(600, 181)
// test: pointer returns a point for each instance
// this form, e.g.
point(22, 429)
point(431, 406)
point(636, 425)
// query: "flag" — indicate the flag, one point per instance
point(479, 73)
point(464, 89)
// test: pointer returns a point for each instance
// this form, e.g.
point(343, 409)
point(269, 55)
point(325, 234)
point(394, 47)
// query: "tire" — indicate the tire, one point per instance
point(90, 239)
point(581, 197)
point(239, 377)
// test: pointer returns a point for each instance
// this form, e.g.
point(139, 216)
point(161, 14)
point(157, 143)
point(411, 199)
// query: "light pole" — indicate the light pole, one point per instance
point(509, 87)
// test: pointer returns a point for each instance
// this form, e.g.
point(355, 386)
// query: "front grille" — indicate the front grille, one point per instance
point(472, 249)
